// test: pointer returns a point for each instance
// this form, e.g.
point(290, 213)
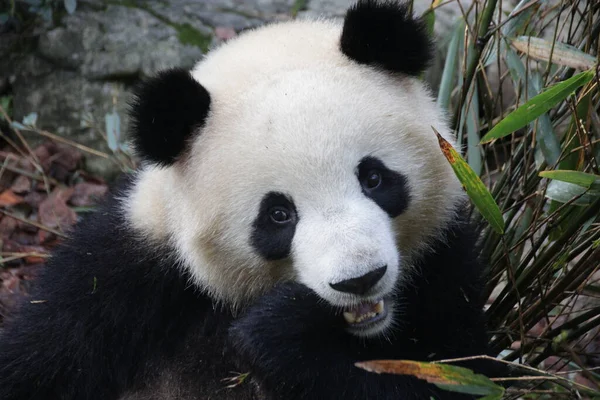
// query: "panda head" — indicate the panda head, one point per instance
point(298, 151)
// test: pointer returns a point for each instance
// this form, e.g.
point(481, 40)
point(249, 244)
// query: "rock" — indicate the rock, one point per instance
point(75, 72)
point(62, 47)
point(81, 69)
point(237, 22)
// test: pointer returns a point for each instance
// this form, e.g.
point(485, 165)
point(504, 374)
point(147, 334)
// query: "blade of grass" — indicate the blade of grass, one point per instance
point(577, 177)
point(472, 127)
point(450, 67)
point(545, 137)
point(447, 377)
point(478, 193)
point(537, 106)
point(559, 53)
point(564, 192)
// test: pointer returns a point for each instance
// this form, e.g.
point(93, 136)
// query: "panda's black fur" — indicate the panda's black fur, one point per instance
point(109, 314)
point(115, 317)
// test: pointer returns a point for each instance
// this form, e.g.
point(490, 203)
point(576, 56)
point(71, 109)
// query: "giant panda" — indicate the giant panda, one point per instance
point(293, 215)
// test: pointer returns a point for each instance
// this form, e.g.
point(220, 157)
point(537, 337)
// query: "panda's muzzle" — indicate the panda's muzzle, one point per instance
point(360, 285)
point(368, 313)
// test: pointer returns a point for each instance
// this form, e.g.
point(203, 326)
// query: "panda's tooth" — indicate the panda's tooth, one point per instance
point(379, 307)
point(350, 317)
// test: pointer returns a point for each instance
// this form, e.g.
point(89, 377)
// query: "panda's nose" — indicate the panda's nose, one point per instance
point(361, 284)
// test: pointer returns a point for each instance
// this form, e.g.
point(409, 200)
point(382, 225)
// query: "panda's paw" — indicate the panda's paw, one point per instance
point(290, 308)
point(288, 322)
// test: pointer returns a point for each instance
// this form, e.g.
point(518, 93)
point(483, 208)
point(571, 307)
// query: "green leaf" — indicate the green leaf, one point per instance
point(450, 67)
point(577, 177)
point(113, 130)
point(480, 196)
point(546, 139)
point(298, 6)
point(564, 192)
point(447, 377)
point(18, 125)
point(557, 52)
point(429, 18)
point(472, 127)
point(537, 106)
point(70, 6)
point(6, 103)
point(30, 119)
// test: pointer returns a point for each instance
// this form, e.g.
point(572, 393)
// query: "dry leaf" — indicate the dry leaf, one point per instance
point(8, 198)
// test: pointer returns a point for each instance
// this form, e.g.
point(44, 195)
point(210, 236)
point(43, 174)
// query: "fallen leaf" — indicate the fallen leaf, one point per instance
point(87, 194)
point(21, 185)
point(54, 212)
point(7, 227)
point(9, 198)
point(447, 377)
point(24, 238)
point(225, 32)
point(68, 156)
point(559, 53)
point(43, 154)
point(34, 199)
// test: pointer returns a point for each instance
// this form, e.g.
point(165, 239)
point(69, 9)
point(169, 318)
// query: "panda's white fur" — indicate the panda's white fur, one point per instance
point(289, 112)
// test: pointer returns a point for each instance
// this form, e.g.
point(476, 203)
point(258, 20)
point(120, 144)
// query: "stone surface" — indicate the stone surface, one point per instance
point(84, 64)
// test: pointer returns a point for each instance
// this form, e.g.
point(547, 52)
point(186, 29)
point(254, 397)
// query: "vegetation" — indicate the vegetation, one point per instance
point(522, 89)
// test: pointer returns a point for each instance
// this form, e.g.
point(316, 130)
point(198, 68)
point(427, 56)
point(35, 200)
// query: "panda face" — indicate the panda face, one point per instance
point(307, 166)
point(342, 246)
point(316, 176)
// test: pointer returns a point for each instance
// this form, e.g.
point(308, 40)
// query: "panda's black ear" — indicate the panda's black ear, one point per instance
point(165, 112)
point(385, 34)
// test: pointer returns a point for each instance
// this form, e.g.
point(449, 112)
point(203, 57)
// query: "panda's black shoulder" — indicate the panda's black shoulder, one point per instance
point(109, 302)
point(444, 296)
point(104, 257)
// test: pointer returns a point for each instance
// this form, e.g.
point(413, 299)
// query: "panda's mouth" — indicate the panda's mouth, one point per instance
point(366, 315)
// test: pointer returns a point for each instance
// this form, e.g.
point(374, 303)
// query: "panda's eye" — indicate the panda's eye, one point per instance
point(372, 180)
point(386, 187)
point(280, 215)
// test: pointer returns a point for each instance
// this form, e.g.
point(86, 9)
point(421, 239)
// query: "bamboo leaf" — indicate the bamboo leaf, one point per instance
point(429, 18)
point(112, 123)
point(450, 66)
point(70, 6)
point(537, 106)
point(546, 139)
point(577, 177)
point(299, 5)
point(472, 127)
point(447, 377)
point(30, 119)
point(560, 53)
point(478, 193)
point(564, 192)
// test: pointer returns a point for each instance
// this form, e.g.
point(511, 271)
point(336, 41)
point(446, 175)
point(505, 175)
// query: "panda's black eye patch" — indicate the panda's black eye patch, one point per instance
point(274, 226)
point(387, 188)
